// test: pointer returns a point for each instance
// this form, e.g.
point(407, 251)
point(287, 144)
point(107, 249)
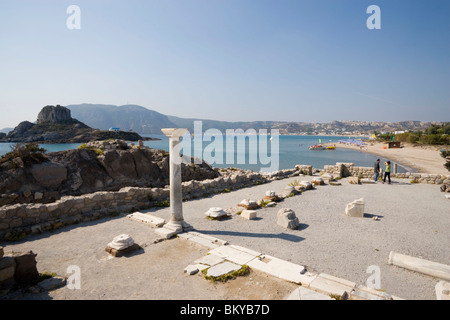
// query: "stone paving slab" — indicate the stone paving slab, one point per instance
point(280, 268)
point(202, 239)
point(222, 268)
point(165, 232)
point(365, 293)
point(147, 218)
point(249, 251)
point(329, 284)
point(224, 258)
point(210, 260)
point(233, 254)
point(302, 293)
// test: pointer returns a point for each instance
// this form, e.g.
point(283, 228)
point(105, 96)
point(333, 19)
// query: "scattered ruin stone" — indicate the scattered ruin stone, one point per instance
point(353, 180)
point(355, 208)
point(327, 176)
point(286, 218)
point(191, 269)
point(306, 184)
point(249, 204)
point(289, 191)
point(248, 214)
point(215, 213)
point(122, 244)
point(26, 271)
point(317, 181)
point(271, 196)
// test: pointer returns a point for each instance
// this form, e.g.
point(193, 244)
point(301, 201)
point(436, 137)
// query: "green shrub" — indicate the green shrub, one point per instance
point(29, 153)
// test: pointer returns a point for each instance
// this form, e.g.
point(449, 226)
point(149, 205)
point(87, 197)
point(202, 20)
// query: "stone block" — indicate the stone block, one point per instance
point(286, 218)
point(215, 213)
point(147, 218)
point(317, 181)
point(26, 270)
point(306, 184)
point(191, 269)
point(118, 253)
point(38, 195)
point(355, 208)
point(248, 214)
point(121, 242)
point(249, 204)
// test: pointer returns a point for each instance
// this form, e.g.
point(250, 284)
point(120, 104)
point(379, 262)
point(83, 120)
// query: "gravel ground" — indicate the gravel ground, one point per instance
point(414, 219)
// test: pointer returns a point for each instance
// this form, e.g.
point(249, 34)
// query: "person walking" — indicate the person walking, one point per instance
point(376, 169)
point(387, 173)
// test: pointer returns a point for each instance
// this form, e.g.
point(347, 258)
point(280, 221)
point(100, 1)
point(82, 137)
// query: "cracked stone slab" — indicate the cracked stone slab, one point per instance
point(231, 253)
point(210, 260)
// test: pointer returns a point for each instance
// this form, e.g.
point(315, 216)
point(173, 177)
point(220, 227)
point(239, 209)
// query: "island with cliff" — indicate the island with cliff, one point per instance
point(55, 125)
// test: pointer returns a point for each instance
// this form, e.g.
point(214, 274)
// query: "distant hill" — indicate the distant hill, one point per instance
point(6, 130)
point(127, 117)
point(146, 121)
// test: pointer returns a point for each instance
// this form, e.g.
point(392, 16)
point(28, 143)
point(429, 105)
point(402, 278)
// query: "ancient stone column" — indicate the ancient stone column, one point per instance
point(176, 222)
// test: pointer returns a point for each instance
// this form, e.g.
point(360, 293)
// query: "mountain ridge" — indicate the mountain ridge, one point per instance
point(146, 121)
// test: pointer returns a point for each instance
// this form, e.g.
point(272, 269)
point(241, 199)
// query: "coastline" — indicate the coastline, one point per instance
point(424, 159)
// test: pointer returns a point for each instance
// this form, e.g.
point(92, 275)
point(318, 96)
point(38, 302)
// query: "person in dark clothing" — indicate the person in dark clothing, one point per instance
point(376, 169)
point(387, 173)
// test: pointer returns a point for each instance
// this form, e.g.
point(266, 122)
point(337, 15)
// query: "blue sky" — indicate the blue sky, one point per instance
point(233, 60)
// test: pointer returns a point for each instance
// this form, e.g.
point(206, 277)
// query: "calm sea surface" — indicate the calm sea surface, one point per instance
point(292, 150)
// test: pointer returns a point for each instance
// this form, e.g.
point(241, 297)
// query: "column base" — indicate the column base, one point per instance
point(178, 226)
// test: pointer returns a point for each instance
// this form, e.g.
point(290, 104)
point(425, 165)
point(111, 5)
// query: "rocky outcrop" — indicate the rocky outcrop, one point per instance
point(53, 114)
point(87, 170)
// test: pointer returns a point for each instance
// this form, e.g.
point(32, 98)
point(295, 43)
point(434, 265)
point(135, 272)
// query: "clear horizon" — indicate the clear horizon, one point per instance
point(234, 60)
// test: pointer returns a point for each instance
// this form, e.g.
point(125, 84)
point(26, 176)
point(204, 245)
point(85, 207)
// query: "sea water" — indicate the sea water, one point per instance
point(293, 150)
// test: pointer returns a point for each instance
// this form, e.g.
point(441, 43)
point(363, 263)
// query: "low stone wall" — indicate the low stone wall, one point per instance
point(19, 220)
point(350, 170)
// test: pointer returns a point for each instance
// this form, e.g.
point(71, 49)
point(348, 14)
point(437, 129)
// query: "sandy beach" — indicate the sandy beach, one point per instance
point(424, 159)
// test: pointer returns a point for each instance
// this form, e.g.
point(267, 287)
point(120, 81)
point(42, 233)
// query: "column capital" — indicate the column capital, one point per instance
point(174, 133)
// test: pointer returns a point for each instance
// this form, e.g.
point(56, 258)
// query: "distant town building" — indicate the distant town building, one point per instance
point(114, 129)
